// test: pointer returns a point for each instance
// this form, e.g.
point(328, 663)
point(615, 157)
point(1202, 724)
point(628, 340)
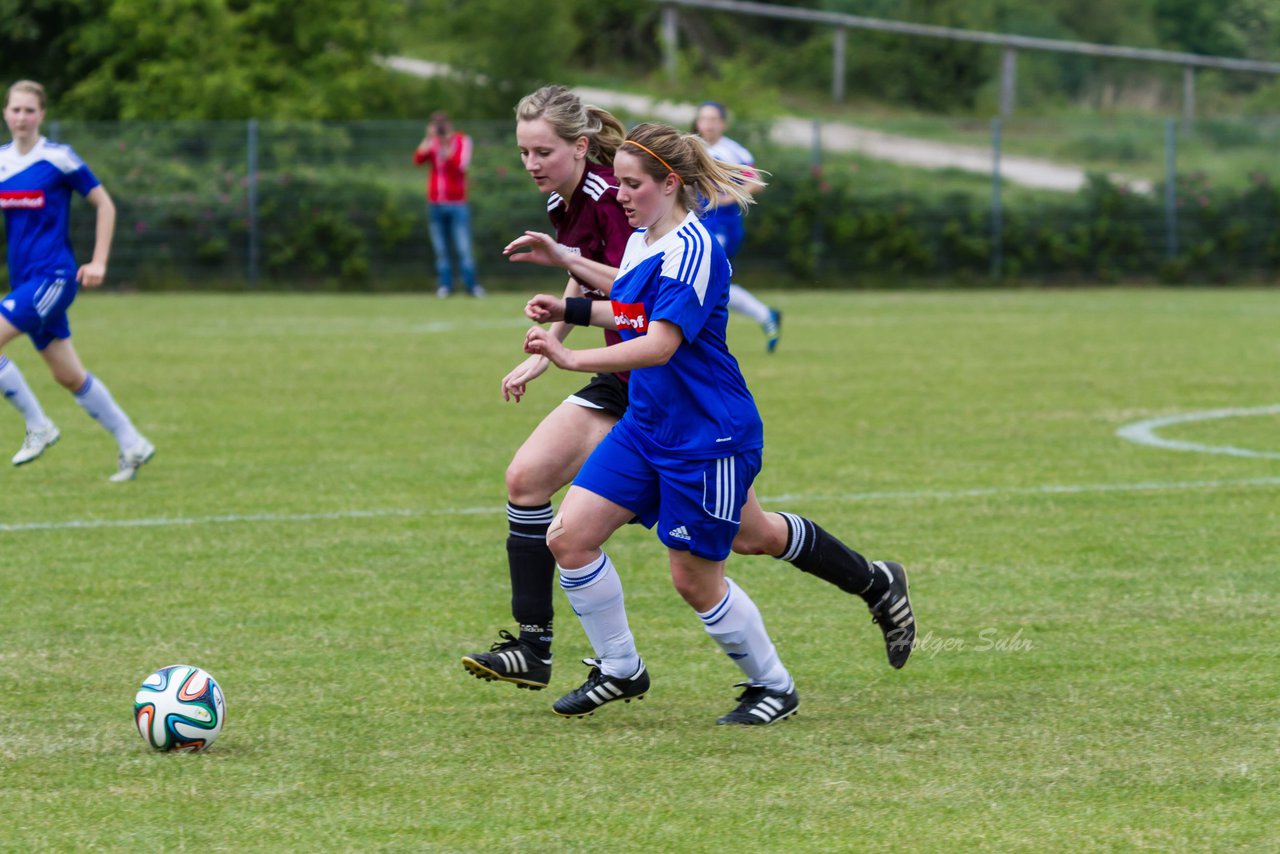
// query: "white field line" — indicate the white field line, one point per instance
point(166, 521)
point(905, 495)
point(1144, 432)
point(1049, 489)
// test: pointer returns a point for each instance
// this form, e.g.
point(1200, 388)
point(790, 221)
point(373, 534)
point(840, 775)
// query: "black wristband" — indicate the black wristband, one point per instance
point(577, 310)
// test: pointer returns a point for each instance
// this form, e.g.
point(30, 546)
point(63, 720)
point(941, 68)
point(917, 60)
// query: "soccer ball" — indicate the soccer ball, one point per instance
point(179, 707)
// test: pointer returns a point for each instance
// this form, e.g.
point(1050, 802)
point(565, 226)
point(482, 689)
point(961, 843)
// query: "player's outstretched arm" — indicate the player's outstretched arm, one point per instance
point(655, 347)
point(92, 274)
point(536, 247)
point(514, 384)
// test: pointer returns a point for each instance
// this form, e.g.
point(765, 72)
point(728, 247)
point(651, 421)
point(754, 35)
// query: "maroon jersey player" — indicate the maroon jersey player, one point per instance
point(568, 148)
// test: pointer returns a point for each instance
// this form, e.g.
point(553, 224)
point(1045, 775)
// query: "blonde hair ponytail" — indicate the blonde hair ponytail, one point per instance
point(664, 150)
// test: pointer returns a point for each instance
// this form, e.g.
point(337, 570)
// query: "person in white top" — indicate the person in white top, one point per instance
point(724, 220)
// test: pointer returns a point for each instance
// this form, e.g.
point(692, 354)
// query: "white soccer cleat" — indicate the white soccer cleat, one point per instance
point(132, 460)
point(35, 443)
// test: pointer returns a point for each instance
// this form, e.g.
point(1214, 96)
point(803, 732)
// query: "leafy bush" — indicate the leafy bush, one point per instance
point(818, 227)
point(340, 207)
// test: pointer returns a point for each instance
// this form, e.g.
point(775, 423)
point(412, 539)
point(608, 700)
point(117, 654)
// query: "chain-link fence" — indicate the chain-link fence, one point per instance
point(341, 206)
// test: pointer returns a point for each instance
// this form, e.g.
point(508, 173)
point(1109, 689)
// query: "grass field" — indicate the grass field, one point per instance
point(322, 530)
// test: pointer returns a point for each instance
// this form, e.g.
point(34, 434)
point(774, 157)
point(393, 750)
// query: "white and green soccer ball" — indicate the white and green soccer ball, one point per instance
point(179, 707)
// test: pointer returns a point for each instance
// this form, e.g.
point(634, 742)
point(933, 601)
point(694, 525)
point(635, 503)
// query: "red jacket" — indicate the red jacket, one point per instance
point(447, 180)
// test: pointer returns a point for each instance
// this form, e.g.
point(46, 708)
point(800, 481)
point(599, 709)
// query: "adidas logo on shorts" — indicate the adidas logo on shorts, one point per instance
point(680, 533)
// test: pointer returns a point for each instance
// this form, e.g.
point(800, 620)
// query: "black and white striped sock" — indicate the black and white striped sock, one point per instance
point(816, 552)
point(533, 573)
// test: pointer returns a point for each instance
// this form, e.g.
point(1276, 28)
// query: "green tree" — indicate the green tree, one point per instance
point(210, 59)
point(37, 40)
point(501, 49)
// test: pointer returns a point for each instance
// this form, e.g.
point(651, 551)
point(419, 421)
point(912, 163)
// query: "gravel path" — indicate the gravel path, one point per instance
point(842, 136)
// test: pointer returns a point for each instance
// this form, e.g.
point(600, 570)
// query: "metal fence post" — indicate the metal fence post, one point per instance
point(997, 211)
point(1188, 96)
point(670, 39)
point(817, 247)
point(837, 65)
point(1008, 81)
point(252, 200)
point(1171, 188)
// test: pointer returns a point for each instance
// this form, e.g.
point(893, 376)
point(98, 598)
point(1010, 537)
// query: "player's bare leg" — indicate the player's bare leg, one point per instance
point(94, 397)
point(548, 459)
point(41, 432)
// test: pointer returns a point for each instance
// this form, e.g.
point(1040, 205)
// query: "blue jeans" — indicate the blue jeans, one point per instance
point(450, 226)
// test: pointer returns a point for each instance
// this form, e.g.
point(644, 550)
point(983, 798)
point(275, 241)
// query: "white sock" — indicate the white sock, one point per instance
point(15, 390)
point(97, 401)
point(735, 623)
point(741, 299)
point(595, 593)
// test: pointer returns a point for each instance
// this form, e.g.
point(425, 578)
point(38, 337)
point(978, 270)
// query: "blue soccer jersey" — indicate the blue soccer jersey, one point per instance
point(35, 193)
point(697, 405)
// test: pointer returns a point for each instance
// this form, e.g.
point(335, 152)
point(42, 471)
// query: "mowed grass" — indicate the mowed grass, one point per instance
point(322, 529)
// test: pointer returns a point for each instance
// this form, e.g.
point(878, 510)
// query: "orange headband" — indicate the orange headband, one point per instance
point(655, 157)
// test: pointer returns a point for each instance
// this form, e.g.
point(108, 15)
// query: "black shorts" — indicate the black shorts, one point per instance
point(605, 391)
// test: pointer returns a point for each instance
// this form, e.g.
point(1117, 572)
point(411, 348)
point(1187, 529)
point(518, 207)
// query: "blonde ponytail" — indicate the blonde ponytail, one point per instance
point(665, 150)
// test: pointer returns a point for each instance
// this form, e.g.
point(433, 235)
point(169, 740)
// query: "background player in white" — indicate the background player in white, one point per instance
point(684, 455)
point(724, 219)
point(37, 178)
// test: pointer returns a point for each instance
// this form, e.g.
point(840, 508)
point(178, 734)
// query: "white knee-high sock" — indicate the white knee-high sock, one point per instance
point(101, 406)
point(13, 385)
point(595, 593)
point(735, 623)
point(741, 299)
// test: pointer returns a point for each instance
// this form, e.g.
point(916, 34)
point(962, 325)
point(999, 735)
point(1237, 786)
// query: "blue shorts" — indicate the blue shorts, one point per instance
point(696, 504)
point(38, 308)
point(725, 225)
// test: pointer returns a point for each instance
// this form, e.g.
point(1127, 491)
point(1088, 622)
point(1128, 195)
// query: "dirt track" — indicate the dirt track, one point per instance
point(841, 136)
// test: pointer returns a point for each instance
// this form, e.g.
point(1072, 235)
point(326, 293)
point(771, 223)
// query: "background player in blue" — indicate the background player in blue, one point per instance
point(37, 178)
point(684, 455)
point(724, 220)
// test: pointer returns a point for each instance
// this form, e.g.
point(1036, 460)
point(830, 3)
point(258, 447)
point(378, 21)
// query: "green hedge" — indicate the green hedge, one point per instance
point(826, 230)
point(339, 207)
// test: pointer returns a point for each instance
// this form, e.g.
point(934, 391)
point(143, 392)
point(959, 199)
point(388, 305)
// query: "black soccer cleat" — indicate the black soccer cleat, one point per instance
point(761, 706)
point(510, 660)
point(600, 689)
point(892, 613)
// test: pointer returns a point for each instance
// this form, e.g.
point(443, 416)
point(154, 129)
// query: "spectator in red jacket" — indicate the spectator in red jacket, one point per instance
point(447, 154)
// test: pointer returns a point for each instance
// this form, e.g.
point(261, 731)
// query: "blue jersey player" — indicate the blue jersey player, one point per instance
point(683, 457)
point(568, 148)
point(37, 179)
point(724, 219)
